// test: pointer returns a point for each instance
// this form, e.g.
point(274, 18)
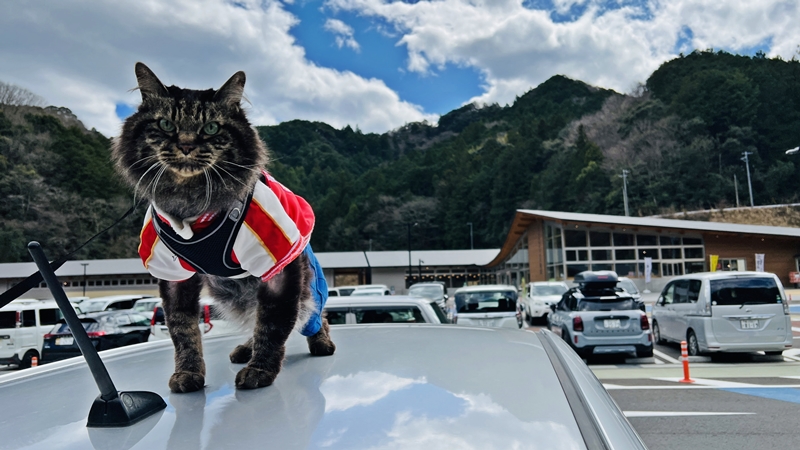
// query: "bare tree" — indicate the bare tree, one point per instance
point(11, 94)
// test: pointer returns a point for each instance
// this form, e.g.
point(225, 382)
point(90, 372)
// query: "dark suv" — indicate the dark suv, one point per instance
point(599, 318)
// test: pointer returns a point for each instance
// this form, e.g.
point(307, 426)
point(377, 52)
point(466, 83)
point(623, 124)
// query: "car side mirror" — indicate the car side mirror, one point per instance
point(660, 301)
point(553, 307)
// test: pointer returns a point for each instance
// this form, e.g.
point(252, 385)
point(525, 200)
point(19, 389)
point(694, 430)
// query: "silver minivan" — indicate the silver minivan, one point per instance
point(724, 312)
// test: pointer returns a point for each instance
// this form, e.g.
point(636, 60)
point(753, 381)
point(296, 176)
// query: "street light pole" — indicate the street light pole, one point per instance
point(409, 225)
point(471, 247)
point(84, 278)
point(747, 165)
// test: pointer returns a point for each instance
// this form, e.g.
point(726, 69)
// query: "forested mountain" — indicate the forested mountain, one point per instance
point(560, 146)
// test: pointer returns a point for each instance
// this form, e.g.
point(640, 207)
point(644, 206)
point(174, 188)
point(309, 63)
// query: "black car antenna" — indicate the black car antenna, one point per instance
point(111, 408)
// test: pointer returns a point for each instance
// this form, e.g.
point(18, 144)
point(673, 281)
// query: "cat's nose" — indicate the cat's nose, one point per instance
point(187, 148)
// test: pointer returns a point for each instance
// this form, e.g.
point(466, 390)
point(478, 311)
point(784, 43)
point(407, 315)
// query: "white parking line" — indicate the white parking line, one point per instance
point(665, 357)
point(796, 329)
point(710, 382)
point(618, 387)
point(680, 413)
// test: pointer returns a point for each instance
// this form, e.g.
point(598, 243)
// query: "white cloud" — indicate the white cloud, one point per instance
point(343, 32)
point(361, 389)
point(80, 54)
point(516, 48)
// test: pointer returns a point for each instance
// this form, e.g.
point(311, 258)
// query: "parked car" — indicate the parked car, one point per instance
point(434, 290)
point(542, 294)
point(146, 306)
point(109, 329)
point(388, 387)
point(724, 312)
point(380, 309)
point(493, 305)
point(23, 325)
point(630, 287)
point(212, 321)
point(110, 303)
point(340, 291)
point(371, 291)
point(597, 318)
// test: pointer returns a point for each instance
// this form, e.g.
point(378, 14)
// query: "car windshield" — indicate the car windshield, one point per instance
point(396, 314)
point(548, 289)
point(738, 291)
point(358, 292)
point(628, 285)
point(606, 305)
point(88, 325)
point(431, 292)
point(486, 301)
point(144, 306)
point(89, 306)
point(439, 313)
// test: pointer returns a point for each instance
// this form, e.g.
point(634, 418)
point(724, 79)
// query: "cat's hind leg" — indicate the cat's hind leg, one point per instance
point(181, 303)
point(242, 353)
point(321, 343)
point(276, 316)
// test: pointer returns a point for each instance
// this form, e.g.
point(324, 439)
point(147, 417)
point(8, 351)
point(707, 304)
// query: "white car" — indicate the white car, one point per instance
point(109, 303)
point(370, 292)
point(542, 294)
point(494, 305)
point(724, 312)
point(343, 291)
point(23, 324)
point(212, 323)
point(382, 309)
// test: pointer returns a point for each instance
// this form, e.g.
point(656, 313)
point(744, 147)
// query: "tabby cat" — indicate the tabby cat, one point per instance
point(218, 220)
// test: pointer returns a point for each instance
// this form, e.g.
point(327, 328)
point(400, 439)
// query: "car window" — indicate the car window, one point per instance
point(668, 294)
point(738, 291)
point(8, 319)
point(88, 307)
point(49, 316)
point(122, 319)
point(431, 292)
point(139, 320)
point(336, 316)
point(548, 290)
point(158, 315)
point(604, 305)
point(486, 301)
point(398, 314)
point(694, 290)
point(681, 293)
point(333, 294)
point(347, 291)
point(628, 286)
point(29, 318)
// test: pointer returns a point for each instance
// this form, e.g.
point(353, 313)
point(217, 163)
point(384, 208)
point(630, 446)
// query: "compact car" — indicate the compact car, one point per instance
point(492, 305)
point(540, 295)
point(433, 290)
point(110, 329)
point(387, 386)
point(598, 318)
point(109, 303)
point(212, 321)
point(724, 312)
point(383, 309)
point(23, 325)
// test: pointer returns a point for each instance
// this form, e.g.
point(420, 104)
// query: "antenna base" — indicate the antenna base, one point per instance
point(124, 410)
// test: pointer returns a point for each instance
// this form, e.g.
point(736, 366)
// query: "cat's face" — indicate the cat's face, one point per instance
point(189, 151)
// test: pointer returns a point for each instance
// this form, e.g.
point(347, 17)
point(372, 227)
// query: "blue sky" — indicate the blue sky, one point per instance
point(375, 64)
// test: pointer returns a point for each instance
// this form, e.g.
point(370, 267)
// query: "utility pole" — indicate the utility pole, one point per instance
point(471, 247)
point(625, 190)
point(420, 269)
point(736, 189)
point(410, 279)
point(84, 278)
point(747, 165)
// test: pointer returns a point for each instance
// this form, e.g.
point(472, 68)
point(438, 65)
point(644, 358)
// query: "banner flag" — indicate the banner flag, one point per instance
point(759, 262)
point(648, 269)
point(714, 259)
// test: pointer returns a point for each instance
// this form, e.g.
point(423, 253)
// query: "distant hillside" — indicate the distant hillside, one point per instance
point(774, 215)
point(560, 146)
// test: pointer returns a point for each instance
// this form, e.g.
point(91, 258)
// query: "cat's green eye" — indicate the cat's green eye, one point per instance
point(166, 125)
point(211, 128)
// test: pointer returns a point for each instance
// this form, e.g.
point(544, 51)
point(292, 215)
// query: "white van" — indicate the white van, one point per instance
point(23, 324)
point(724, 312)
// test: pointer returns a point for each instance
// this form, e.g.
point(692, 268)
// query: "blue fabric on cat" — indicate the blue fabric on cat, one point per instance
point(319, 289)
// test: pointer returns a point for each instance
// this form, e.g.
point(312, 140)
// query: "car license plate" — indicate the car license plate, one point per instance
point(611, 323)
point(749, 324)
point(65, 340)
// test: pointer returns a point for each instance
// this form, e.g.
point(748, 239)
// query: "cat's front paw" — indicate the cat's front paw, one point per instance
point(181, 382)
point(252, 378)
point(241, 354)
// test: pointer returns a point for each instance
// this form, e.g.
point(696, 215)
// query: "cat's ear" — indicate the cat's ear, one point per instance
point(231, 92)
point(149, 84)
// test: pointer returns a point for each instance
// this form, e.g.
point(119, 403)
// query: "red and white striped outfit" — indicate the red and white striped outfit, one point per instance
point(276, 229)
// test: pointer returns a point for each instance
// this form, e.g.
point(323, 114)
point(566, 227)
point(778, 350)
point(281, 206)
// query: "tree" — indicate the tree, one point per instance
point(13, 95)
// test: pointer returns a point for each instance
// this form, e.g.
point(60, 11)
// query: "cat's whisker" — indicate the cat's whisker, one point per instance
point(233, 177)
point(224, 184)
point(136, 188)
point(143, 159)
point(251, 168)
point(158, 178)
point(207, 201)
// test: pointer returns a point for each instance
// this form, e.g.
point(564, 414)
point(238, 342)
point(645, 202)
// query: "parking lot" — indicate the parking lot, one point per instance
point(737, 401)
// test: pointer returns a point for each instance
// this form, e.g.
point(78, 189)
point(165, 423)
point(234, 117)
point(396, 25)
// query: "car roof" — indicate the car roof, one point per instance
point(29, 303)
point(725, 274)
point(113, 298)
point(376, 300)
point(548, 283)
point(386, 386)
point(486, 287)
